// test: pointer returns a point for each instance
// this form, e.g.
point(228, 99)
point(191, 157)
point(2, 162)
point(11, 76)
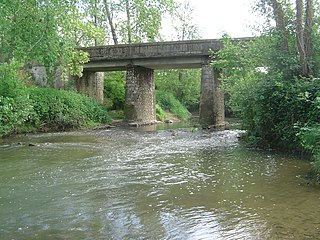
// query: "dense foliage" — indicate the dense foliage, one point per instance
point(114, 89)
point(168, 102)
point(183, 84)
point(15, 105)
point(43, 32)
point(26, 109)
point(272, 84)
point(61, 110)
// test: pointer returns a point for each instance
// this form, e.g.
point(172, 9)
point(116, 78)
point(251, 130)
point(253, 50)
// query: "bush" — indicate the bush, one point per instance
point(60, 110)
point(310, 141)
point(168, 102)
point(114, 89)
point(160, 113)
point(15, 106)
point(274, 112)
point(184, 84)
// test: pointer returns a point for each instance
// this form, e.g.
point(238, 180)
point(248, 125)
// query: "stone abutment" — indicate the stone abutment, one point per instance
point(91, 84)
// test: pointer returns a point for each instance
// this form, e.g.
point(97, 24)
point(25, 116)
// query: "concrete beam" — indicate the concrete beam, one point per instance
point(153, 63)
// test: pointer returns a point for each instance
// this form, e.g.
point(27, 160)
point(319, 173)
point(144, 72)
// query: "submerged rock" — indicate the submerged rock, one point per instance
point(168, 121)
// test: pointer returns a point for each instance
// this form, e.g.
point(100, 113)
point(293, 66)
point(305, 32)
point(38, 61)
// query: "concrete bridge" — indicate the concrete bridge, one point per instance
point(140, 60)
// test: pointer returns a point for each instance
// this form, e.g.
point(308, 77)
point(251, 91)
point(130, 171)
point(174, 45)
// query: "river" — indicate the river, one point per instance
point(145, 184)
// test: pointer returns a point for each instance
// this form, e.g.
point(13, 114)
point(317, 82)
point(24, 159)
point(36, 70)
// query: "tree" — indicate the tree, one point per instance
point(110, 21)
point(46, 32)
point(300, 38)
point(183, 22)
point(281, 23)
point(286, 23)
point(304, 35)
point(134, 21)
point(282, 100)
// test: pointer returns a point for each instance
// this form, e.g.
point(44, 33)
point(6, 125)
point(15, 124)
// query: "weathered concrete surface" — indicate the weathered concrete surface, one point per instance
point(206, 108)
point(40, 75)
point(211, 111)
point(91, 84)
point(218, 101)
point(179, 54)
point(140, 95)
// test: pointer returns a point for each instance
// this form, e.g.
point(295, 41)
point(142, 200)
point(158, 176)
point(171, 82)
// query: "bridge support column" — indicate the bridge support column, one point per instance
point(140, 95)
point(91, 84)
point(211, 98)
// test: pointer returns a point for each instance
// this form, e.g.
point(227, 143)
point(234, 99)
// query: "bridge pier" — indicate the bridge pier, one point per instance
point(140, 95)
point(91, 84)
point(211, 110)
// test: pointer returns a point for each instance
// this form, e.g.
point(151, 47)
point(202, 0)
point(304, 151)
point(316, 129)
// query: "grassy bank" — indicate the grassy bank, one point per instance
point(25, 109)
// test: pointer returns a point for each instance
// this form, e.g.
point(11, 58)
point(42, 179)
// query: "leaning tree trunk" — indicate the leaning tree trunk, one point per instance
point(113, 31)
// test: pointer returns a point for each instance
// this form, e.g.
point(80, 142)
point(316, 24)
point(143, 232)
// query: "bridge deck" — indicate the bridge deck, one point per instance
point(177, 54)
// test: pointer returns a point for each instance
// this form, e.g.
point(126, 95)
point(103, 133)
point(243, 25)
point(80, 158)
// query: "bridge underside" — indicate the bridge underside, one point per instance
point(151, 63)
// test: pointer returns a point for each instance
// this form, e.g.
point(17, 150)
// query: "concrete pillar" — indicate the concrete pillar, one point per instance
point(206, 116)
point(91, 84)
point(140, 95)
point(218, 101)
point(211, 98)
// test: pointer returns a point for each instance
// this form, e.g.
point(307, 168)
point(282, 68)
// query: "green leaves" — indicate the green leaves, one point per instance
point(45, 32)
point(15, 106)
point(139, 20)
point(60, 110)
point(184, 84)
point(114, 88)
point(167, 101)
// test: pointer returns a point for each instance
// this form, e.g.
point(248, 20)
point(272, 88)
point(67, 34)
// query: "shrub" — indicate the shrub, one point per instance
point(184, 84)
point(275, 110)
point(160, 113)
point(168, 102)
point(15, 106)
point(60, 110)
point(114, 89)
point(310, 140)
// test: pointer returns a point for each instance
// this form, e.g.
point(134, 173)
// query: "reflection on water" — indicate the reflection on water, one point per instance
point(167, 184)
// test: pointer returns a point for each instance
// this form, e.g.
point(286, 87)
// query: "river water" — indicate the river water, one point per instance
point(141, 184)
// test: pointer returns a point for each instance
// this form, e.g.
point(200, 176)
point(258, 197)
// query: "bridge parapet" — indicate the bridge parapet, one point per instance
point(153, 50)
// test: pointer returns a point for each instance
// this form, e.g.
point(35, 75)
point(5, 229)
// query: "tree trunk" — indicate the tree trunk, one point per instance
point(95, 20)
point(280, 23)
point(308, 31)
point(113, 31)
point(2, 50)
point(128, 22)
point(300, 38)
